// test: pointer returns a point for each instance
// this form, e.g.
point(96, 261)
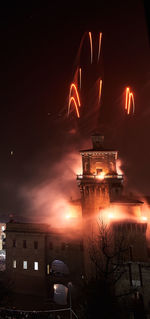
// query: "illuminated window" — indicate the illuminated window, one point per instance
point(35, 244)
point(14, 264)
point(48, 269)
point(14, 242)
point(36, 265)
point(24, 244)
point(25, 264)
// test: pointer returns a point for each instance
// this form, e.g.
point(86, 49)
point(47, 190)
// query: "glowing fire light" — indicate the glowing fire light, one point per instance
point(118, 167)
point(90, 37)
point(99, 46)
point(67, 216)
point(101, 175)
point(144, 218)
point(100, 89)
point(128, 100)
point(72, 99)
point(110, 216)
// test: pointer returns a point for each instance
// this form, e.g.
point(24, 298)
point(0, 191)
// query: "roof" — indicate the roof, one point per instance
point(98, 150)
point(126, 200)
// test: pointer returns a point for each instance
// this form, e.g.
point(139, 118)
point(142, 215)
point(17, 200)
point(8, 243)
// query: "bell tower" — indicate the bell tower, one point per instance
point(99, 181)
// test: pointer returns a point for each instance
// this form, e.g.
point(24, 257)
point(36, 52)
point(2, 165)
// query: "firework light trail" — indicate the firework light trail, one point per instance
point(72, 99)
point(128, 100)
point(80, 77)
point(90, 37)
point(99, 46)
point(100, 89)
point(75, 87)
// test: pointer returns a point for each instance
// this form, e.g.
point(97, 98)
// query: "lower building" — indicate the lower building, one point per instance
point(38, 257)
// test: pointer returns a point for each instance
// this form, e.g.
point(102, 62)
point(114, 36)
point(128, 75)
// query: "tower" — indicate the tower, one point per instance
point(99, 181)
point(101, 189)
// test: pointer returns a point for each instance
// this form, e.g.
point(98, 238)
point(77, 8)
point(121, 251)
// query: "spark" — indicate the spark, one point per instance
point(99, 46)
point(90, 37)
point(100, 89)
point(129, 98)
point(72, 99)
point(11, 153)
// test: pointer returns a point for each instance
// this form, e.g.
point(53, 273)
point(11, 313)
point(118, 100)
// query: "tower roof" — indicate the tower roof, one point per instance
point(97, 144)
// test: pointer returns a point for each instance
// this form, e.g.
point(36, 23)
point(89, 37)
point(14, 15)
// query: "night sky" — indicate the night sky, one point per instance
point(38, 57)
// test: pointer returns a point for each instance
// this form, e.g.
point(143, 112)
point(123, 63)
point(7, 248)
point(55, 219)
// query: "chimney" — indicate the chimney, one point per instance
point(97, 141)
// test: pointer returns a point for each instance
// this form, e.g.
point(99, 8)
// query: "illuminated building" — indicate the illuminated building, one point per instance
point(36, 253)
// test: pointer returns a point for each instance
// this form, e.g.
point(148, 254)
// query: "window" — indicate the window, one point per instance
point(14, 264)
point(14, 242)
point(35, 244)
point(48, 269)
point(36, 265)
point(24, 244)
point(131, 253)
point(25, 264)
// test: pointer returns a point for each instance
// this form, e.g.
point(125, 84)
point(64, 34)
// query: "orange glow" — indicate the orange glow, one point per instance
point(118, 167)
point(110, 216)
point(73, 86)
point(101, 175)
point(144, 218)
point(122, 213)
point(100, 89)
point(72, 99)
point(67, 216)
point(99, 46)
point(80, 77)
point(91, 46)
point(128, 100)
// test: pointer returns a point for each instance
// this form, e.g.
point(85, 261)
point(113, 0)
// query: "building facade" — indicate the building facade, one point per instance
point(39, 257)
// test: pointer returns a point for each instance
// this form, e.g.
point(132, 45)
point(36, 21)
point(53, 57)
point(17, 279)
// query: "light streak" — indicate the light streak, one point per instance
point(100, 89)
point(72, 99)
point(99, 46)
point(80, 77)
point(91, 46)
point(73, 86)
point(129, 98)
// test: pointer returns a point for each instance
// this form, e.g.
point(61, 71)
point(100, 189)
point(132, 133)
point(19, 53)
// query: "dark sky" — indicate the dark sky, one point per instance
point(39, 46)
